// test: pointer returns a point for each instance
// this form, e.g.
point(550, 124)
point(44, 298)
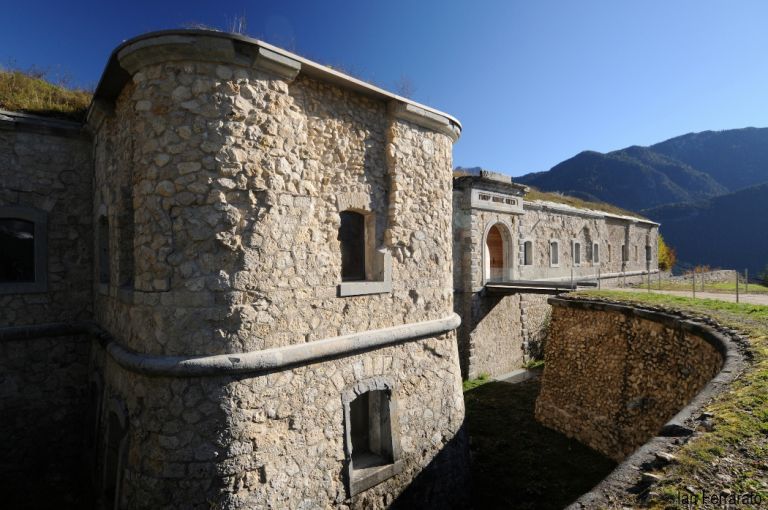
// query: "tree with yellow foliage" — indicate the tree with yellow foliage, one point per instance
point(667, 256)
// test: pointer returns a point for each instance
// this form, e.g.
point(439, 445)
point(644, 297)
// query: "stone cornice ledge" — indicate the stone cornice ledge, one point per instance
point(628, 473)
point(424, 118)
point(252, 362)
point(239, 50)
point(39, 124)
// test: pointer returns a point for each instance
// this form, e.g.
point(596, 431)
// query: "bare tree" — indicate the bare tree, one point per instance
point(404, 87)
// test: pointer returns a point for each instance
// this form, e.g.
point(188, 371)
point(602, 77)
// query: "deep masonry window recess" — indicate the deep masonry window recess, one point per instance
point(364, 269)
point(23, 250)
point(371, 442)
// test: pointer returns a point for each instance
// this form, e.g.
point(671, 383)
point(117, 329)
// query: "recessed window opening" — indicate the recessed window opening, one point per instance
point(637, 257)
point(595, 253)
point(609, 253)
point(577, 253)
point(648, 254)
point(352, 239)
point(17, 250)
point(528, 253)
point(371, 431)
point(103, 235)
point(624, 253)
point(554, 253)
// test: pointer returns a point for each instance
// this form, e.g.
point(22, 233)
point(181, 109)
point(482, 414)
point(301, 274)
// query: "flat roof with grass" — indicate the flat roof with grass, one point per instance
point(30, 92)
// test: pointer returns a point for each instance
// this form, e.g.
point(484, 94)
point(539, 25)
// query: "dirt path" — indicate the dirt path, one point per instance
point(755, 299)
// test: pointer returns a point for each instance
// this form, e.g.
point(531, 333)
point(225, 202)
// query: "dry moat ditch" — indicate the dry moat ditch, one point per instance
point(519, 463)
point(671, 364)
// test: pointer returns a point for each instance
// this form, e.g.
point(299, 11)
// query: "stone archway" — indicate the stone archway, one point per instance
point(497, 260)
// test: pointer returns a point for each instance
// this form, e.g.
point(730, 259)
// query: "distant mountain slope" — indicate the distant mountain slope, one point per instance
point(729, 231)
point(633, 178)
point(735, 158)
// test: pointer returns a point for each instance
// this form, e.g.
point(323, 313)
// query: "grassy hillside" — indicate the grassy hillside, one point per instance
point(30, 92)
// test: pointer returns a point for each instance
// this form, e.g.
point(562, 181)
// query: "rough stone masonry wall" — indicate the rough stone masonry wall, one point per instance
point(43, 380)
point(612, 379)
point(238, 180)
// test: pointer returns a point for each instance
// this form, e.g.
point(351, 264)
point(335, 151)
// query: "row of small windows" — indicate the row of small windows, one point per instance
point(23, 257)
point(593, 255)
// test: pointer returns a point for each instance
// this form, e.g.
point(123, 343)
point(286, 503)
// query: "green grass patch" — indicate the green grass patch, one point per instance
point(474, 383)
point(534, 363)
point(719, 287)
point(733, 456)
point(30, 92)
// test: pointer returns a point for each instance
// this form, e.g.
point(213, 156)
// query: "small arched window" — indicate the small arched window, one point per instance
point(23, 257)
point(595, 253)
point(352, 240)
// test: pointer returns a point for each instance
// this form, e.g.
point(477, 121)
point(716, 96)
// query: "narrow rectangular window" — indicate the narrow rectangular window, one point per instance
point(352, 239)
point(528, 253)
point(624, 253)
point(103, 234)
point(23, 250)
point(577, 253)
point(17, 250)
point(596, 253)
point(648, 254)
point(554, 253)
point(371, 431)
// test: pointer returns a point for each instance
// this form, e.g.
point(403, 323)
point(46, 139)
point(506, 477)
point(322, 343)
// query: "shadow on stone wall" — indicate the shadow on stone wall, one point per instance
point(43, 405)
point(519, 463)
point(444, 482)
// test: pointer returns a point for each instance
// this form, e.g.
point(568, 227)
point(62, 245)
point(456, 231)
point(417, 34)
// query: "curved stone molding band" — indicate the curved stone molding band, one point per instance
point(241, 363)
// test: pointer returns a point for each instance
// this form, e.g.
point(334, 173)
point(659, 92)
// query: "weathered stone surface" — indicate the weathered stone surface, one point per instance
point(499, 333)
point(612, 380)
point(44, 381)
point(228, 187)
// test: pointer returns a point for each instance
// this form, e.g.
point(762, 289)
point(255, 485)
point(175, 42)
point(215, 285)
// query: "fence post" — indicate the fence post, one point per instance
point(599, 280)
point(737, 286)
point(746, 280)
point(693, 283)
point(659, 279)
point(571, 277)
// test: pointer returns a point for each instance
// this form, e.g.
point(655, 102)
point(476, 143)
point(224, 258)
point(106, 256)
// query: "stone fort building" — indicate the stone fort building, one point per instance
point(510, 253)
point(239, 286)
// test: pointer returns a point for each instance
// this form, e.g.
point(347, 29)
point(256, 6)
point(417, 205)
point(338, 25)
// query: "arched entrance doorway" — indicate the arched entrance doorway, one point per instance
point(496, 254)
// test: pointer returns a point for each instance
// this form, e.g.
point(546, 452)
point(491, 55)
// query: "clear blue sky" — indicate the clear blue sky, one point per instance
point(533, 82)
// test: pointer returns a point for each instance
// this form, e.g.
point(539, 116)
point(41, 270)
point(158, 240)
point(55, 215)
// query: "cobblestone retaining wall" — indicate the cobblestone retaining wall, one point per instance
point(613, 377)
